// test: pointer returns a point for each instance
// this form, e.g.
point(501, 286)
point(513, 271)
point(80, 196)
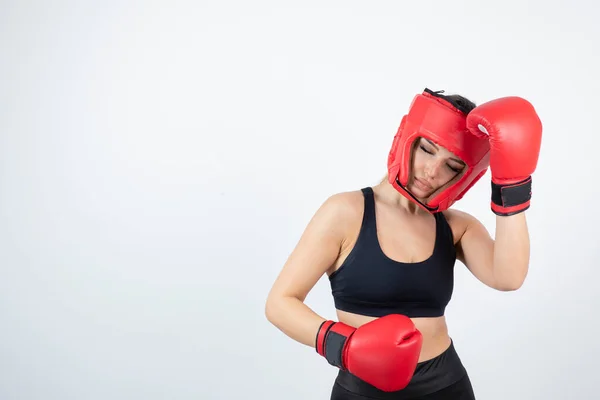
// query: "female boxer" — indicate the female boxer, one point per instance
point(389, 251)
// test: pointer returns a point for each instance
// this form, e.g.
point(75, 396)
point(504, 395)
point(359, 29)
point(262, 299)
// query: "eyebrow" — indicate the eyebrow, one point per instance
point(452, 158)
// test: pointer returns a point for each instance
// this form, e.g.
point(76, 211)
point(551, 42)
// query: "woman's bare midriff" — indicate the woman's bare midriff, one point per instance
point(434, 330)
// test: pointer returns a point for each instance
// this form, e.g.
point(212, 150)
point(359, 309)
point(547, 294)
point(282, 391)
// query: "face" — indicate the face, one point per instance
point(433, 167)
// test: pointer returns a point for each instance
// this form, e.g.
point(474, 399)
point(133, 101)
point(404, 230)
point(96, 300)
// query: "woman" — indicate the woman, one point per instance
point(389, 251)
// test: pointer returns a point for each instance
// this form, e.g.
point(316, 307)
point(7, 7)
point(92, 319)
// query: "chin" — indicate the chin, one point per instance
point(418, 192)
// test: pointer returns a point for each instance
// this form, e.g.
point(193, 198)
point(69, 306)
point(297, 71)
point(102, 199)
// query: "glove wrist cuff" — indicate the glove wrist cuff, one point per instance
point(332, 338)
point(510, 199)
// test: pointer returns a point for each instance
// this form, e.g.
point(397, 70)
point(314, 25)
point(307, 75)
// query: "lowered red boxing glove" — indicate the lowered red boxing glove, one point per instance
point(383, 352)
point(515, 133)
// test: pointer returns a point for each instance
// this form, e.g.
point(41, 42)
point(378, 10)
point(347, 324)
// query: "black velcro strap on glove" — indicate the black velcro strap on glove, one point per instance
point(331, 341)
point(513, 194)
point(334, 346)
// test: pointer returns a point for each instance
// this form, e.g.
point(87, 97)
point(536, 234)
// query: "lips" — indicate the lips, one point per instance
point(422, 184)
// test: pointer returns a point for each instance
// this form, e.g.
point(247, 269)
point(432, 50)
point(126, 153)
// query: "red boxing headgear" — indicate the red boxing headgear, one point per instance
point(433, 117)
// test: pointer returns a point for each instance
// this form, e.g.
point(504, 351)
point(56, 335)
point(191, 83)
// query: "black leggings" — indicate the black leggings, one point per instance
point(443, 377)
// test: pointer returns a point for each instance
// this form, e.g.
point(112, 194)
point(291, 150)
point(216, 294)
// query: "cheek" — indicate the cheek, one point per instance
point(418, 160)
point(446, 174)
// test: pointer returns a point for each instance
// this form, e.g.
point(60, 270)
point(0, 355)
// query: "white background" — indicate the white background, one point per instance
point(159, 160)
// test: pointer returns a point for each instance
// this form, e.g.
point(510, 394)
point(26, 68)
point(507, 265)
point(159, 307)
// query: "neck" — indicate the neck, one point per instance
point(388, 194)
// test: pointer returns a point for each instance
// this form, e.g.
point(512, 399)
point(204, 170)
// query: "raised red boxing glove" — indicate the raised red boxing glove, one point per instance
point(515, 133)
point(383, 352)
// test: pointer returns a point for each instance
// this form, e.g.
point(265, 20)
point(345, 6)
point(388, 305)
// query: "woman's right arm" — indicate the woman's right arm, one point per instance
point(315, 253)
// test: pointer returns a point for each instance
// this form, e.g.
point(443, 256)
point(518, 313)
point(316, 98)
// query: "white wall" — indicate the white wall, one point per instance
point(159, 161)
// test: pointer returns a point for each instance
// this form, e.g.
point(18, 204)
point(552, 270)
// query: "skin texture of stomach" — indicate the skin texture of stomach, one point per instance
point(434, 330)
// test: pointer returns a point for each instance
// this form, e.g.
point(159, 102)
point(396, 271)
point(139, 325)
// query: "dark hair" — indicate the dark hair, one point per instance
point(460, 102)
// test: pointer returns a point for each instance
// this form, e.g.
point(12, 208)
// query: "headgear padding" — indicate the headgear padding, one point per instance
point(433, 117)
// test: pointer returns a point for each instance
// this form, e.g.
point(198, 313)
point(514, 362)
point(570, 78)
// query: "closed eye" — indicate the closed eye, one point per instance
point(425, 149)
point(454, 169)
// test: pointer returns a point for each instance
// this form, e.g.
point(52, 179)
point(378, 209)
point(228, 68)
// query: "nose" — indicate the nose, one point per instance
point(432, 168)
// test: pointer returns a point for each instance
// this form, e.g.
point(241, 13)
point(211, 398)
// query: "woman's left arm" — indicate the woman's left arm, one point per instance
point(502, 263)
point(515, 133)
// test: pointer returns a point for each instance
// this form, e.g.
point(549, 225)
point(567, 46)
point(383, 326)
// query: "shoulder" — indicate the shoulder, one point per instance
point(459, 222)
point(343, 206)
point(340, 212)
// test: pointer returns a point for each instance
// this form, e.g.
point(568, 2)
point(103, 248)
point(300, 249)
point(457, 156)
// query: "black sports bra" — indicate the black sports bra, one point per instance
point(370, 283)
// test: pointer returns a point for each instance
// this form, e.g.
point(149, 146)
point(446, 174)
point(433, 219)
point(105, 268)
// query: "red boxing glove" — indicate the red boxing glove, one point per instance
point(383, 352)
point(515, 133)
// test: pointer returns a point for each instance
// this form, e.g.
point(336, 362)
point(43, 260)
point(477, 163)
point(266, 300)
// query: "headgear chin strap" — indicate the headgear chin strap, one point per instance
point(433, 117)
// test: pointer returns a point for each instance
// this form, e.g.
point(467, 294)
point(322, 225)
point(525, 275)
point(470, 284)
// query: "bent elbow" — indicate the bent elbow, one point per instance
point(272, 307)
point(510, 286)
point(269, 312)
